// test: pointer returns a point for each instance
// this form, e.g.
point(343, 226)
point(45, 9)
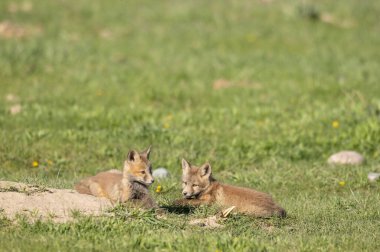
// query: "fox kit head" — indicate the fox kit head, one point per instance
point(195, 180)
point(137, 167)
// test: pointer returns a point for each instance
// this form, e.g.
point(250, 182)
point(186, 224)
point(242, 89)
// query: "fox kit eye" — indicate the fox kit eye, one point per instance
point(142, 172)
point(194, 185)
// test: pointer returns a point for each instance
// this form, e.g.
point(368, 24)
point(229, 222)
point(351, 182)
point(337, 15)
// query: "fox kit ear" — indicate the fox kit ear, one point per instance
point(185, 165)
point(133, 156)
point(147, 152)
point(205, 170)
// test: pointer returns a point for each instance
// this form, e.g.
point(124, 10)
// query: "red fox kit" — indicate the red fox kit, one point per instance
point(130, 185)
point(199, 187)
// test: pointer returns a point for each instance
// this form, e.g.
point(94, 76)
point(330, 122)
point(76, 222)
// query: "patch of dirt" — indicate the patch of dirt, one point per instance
point(11, 98)
point(15, 7)
point(15, 109)
point(224, 84)
point(312, 13)
point(212, 221)
point(36, 202)
point(209, 222)
point(332, 20)
point(106, 34)
point(11, 30)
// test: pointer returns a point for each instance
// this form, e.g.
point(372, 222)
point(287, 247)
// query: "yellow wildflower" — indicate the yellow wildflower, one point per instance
point(342, 183)
point(158, 189)
point(335, 124)
point(99, 93)
point(166, 121)
point(35, 163)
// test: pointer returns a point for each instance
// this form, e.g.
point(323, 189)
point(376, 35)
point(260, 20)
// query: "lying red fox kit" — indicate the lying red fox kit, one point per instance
point(199, 187)
point(130, 185)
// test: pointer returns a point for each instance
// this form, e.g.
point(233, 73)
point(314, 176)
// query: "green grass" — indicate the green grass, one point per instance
point(88, 98)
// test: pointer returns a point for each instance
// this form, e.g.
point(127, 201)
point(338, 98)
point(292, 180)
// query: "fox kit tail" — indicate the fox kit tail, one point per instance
point(83, 187)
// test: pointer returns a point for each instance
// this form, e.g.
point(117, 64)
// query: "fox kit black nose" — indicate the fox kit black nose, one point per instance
point(184, 193)
point(152, 181)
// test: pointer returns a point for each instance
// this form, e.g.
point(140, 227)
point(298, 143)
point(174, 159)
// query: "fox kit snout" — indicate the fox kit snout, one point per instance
point(199, 187)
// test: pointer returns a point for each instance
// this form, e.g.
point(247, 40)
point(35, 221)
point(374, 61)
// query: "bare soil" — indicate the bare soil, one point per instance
point(36, 202)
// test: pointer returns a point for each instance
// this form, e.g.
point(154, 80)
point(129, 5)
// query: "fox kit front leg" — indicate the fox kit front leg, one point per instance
point(125, 192)
point(188, 202)
point(193, 202)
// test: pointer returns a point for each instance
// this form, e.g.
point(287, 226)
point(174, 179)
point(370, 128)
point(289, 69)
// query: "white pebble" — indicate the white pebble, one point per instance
point(160, 173)
point(346, 157)
point(373, 176)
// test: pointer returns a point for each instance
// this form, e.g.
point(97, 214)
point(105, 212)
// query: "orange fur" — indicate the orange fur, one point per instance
point(199, 187)
point(129, 185)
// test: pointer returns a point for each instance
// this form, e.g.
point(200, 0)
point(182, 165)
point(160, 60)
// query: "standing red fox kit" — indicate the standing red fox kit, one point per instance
point(199, 187)
point(130, 185)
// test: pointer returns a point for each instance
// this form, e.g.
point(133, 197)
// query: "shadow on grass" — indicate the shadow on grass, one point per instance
point(179, 209)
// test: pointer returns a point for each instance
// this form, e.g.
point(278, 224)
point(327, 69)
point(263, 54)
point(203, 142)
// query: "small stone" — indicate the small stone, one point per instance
point(346, 158)
point(373, 176)
point(160, 173)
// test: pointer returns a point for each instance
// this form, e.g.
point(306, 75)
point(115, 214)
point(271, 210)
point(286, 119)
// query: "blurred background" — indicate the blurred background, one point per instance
point(246, 85)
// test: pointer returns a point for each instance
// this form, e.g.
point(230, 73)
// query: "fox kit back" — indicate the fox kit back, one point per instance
point(199, 187)
point(118, 186)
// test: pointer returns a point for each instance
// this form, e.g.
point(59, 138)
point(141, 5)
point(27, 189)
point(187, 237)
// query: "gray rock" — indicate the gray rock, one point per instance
point(373, 176)
point(346, 158)
point(160, 173)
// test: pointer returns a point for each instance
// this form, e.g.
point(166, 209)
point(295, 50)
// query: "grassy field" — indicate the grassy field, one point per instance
point(261, 89)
